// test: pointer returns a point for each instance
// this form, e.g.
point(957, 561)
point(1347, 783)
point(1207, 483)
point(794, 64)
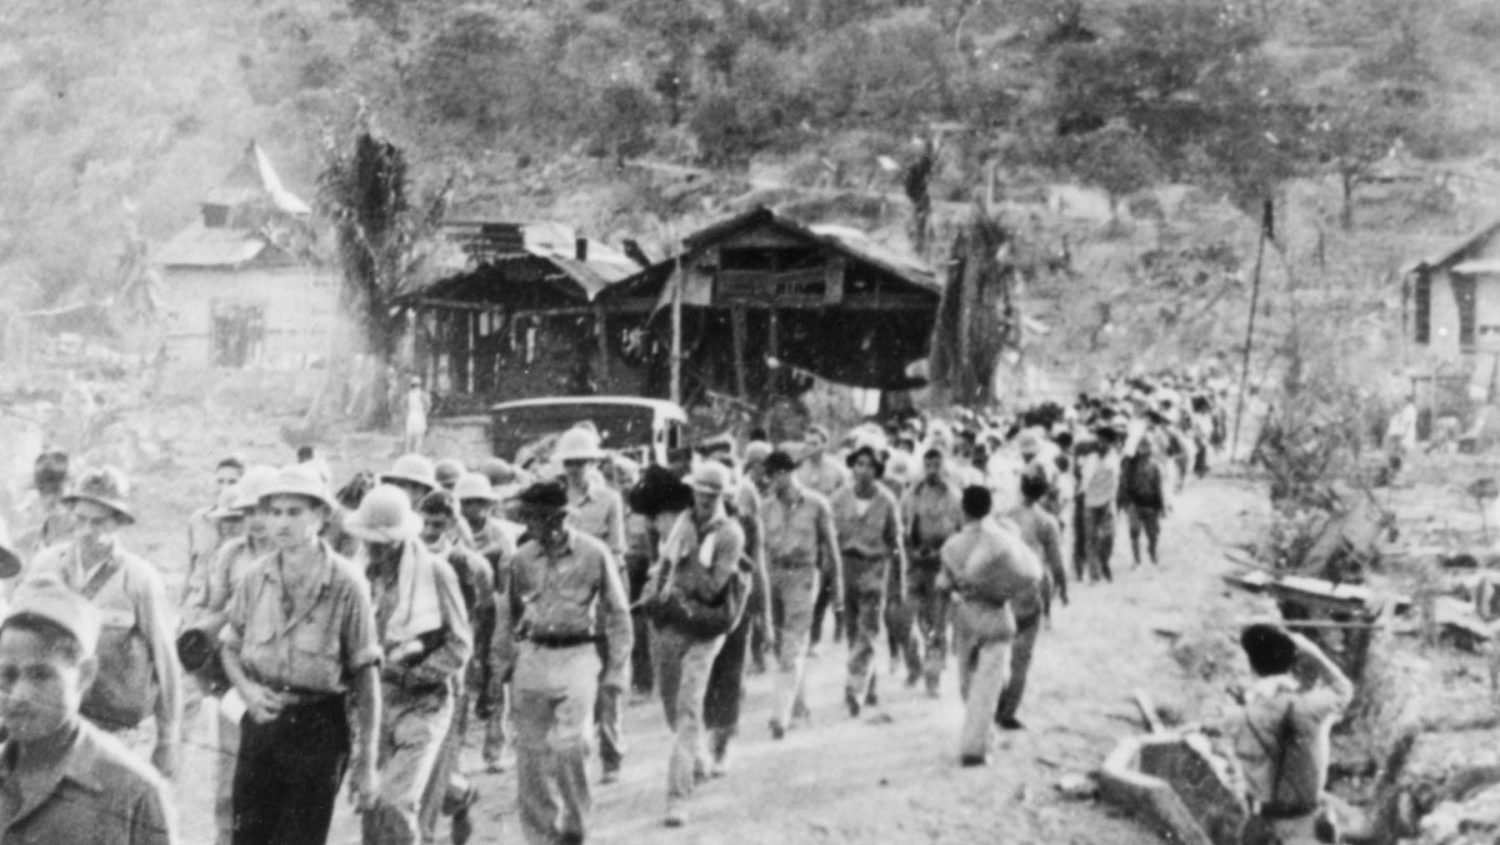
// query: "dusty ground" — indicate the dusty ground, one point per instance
point(891, 776)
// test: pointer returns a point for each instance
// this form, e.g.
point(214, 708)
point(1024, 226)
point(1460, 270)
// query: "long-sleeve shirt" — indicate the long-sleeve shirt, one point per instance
point(931, 513)
point(448, 657)
point(870, 529)
point(600, 513)
point(571, 591)
point(799, 528)
point(137, 634)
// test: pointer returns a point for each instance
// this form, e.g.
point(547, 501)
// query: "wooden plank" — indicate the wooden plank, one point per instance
point(737, 320)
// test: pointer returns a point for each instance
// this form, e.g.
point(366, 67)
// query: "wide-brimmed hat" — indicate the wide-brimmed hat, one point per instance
point(448, 471)
point(1029, 441)
point(103, 486)
point(498, 470)
point(298, 480)
point(413, 469)
point(757, 451)
point(224, 507)
point(711, 477)
point(474, 485)
point(658, 492)
point(47, 597)
point(385, 515)
point(10, 559)
point(543, 496)
point(250, 486)
point(577, 444)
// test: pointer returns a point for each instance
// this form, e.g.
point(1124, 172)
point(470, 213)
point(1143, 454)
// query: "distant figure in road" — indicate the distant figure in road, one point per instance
point(931, 513)
point(1401, 436)
point(204, 536)
point(418, 404)
point(868, 519)
point(799, 529)
point(986, 571)
point(1041, 533)
point(42, 519)
point(823, 474)
point(1143, 497)
point(1281, 741)
point(62, 779)
point(1100, 487)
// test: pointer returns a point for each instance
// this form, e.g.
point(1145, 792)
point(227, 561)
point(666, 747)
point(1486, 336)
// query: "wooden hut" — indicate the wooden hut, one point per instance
point(505, 312)
point(241, 289)
point(768, 301)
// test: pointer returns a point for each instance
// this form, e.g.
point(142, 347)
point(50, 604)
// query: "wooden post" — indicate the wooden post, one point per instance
point(773, 349)
point(677, 330)
point(737, 327)
point(1260, 254)
point(601, 328)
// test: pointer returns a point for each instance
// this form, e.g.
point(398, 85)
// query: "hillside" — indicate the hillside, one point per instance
point(118, 113)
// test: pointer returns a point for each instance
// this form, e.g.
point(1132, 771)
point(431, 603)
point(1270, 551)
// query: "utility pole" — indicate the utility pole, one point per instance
point(1260, 253)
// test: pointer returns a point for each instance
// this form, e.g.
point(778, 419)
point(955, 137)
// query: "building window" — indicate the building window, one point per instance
point(1464, 294)
point(238, 334)
point(1422, 307)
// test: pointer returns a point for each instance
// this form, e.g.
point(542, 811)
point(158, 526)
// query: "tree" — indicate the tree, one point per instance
point(1352, 133)
point(381, 236)
point(1115, 158)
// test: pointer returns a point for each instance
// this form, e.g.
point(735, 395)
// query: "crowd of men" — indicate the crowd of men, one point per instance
point(363, 634)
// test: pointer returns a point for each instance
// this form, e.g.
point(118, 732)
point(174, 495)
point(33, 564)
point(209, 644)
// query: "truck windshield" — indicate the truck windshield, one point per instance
point(621, 427)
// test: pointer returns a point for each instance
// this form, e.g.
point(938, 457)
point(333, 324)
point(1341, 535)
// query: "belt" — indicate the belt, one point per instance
point(1286, 812)
point(295, 696)
point(792, 563)
point(561, 640)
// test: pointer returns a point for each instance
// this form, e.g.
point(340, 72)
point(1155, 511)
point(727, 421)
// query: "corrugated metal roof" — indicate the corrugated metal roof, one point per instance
point(469, 245)
point(200, 246)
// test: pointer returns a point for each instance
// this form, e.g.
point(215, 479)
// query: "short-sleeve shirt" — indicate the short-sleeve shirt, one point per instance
point(98, 794)
point(932, 512)
point(313, 642)
point(792, 528)
point(823, 476)
point(224, 573)
point(599, 513)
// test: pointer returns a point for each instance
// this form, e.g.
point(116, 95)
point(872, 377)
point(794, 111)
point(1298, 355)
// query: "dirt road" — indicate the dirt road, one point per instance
point(892, 776)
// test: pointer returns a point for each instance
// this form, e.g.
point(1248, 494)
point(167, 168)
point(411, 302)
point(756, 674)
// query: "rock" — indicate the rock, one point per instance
point(1474, 820)
point(1077, 787)
point(1439, 768)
